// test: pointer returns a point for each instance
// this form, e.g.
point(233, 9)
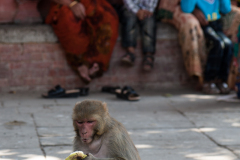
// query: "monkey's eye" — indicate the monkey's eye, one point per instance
point(90, 121)
point(79, 122)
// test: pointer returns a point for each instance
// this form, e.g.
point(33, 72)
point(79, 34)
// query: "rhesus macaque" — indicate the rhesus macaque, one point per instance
point(100, 136)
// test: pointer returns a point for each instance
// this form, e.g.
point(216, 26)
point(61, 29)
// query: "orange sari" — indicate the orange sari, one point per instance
point(86, 41)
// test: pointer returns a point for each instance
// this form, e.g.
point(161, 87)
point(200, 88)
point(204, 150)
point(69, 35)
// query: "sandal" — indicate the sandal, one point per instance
point(128, 93)
point(111, 89)
point(83, 91)
point(148, 64)
point(128, 59)
point(210, 88)
point(59, 92)
point(223, 87)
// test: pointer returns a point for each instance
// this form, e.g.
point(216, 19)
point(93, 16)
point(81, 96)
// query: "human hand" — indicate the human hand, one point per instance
point(142, 14)
point(200, 16)
point(79, 10)
point(147, 14)
point(234, 2)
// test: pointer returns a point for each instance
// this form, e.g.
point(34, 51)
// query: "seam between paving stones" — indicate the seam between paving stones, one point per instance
point(206, 135)
point(38, 136)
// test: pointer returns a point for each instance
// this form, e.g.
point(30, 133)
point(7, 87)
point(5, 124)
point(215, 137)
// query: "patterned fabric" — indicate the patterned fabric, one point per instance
point(86, 41)
point(135, 5)
point(192, 40)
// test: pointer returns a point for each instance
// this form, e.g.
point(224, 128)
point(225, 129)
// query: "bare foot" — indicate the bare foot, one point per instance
point(83, 71)
point(93, 70)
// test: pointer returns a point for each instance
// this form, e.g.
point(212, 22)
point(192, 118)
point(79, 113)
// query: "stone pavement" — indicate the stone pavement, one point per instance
point(164, 125)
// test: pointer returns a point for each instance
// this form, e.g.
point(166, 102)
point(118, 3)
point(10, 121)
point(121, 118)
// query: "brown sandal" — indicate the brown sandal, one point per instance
point(128, 59)
point(148, 64)
point(210, 88)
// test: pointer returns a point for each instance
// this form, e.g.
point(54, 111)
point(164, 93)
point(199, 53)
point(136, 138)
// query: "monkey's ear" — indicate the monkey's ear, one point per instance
point(105, 107)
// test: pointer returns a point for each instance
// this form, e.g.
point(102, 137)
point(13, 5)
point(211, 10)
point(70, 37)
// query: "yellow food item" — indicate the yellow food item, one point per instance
point(74, 155)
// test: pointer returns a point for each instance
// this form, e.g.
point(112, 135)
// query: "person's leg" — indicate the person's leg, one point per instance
point(191, 39)
point(215, 54)
point(214, 60)
point(148, 35)
point(129, 35)
point(225, 64)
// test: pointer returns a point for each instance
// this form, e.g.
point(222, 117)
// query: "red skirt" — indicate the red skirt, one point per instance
point(86, 41)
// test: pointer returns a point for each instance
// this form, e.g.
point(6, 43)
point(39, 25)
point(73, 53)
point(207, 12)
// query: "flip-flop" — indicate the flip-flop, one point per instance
point(128, 93)
point(56, 92)
point(83, 91)
point(111, 89)
point(59, 92)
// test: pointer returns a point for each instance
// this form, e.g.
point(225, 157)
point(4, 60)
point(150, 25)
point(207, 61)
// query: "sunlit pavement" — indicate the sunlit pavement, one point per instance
point(164, 125)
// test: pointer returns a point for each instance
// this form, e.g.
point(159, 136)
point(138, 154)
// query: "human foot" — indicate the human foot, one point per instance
point(92, 71)
point(210, 88)
point(148, 62)
point(84, 73)
point(128, 59)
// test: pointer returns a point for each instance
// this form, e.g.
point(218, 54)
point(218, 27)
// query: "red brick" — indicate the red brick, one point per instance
point(27, 12)
point(8, 9)
point(3, 83)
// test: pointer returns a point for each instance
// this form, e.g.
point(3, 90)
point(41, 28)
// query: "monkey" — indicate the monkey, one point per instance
point(99, 135)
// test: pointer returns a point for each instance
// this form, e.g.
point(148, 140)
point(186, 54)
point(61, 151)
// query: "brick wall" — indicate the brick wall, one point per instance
point(32, 59)
point(23, 11)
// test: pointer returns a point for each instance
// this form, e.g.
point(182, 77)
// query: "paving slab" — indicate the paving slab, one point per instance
point(223, 136)
point(56, 141)
point(166, 125)
point(57, 152)
point(235, 149)
point(186, 154)
point(55, 131)
point(21, 154)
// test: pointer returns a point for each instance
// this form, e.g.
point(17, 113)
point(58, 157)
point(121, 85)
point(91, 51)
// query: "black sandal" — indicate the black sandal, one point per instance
point(128, 93)
point(111, 89)
point(147, 62)
point(59, 92)
point(128, 58)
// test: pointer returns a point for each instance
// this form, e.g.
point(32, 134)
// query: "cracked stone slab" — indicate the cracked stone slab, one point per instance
point(223, 136)
point(56, 141)
point(236, 149)
point(145, 119)
point(19, 141)
point(21, 154)
point(57, 152)
point(56, 132)
point(171, 136)
point(8, 115)
point(216, 119)
point(200, 153)
point(52, 119)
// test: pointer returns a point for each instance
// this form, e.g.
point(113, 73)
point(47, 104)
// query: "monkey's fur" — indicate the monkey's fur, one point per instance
point(110, 138)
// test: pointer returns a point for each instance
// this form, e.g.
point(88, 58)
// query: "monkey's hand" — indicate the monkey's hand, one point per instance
point(76, 156)
point(90, 157)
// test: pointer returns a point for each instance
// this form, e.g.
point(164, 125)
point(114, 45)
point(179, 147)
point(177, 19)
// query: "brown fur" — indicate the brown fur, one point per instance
point(111, 139)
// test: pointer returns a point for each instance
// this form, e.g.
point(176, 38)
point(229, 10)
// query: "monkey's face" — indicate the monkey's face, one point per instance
point(86, 129)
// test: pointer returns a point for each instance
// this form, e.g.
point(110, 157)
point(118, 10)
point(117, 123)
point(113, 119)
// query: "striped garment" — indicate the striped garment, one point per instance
point(135, 5)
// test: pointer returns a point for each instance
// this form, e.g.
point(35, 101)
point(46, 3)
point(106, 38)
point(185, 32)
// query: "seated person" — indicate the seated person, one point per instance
point(220, 46)
point(87, 31)
point(191, 37)
point(140, 12)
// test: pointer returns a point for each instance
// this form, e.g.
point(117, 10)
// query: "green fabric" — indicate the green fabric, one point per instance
point(164, 14)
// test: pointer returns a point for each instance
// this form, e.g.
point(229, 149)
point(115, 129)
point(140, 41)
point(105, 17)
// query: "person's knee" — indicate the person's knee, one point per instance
point(228, 43)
